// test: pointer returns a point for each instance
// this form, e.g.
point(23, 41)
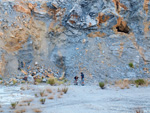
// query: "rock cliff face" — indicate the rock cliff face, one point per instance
point(97, 37)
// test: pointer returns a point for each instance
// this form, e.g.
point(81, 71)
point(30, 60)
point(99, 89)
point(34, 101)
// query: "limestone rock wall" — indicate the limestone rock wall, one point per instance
point(98, 37)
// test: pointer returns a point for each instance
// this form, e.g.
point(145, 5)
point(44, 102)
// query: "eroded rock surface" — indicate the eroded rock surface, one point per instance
point(98, 37)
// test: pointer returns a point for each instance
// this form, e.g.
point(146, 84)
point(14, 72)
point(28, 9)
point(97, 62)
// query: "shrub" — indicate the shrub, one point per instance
point(49, 90)
point(42, 93)
point(131, 65)
point(51, 97)
point(139, 82)
point(42, 100)
point(65, 90)
point(1, 78)
point(38, 80)
point(28, 103)
point(37, 111)
point(36, 95)
point(20, 111)
point(101, 85)
point(51, 81)
point(139, 110)
point(14, 81)
point(13, 105)
point(58, 90)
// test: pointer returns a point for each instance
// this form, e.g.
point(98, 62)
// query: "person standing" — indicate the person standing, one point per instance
point(82, 79)
point(76, 80)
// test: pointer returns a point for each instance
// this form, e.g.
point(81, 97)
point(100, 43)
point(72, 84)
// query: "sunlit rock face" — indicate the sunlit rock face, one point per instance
point(97, 37)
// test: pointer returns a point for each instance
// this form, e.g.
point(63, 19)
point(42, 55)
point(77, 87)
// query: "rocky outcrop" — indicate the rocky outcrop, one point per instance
point(98, 37)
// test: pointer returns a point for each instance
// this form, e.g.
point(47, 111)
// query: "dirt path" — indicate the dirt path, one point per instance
point(86, 99)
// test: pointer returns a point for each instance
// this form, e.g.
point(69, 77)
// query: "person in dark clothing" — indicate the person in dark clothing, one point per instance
point(82, 79)
point(76, 80)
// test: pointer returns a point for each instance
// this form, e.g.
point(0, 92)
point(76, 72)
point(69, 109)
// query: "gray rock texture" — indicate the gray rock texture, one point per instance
point(97, 37)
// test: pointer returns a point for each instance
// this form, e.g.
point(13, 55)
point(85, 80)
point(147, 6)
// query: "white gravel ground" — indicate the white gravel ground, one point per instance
point(79, 99)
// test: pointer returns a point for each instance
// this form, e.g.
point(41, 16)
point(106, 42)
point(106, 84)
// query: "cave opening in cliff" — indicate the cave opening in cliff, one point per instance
point(123, 28)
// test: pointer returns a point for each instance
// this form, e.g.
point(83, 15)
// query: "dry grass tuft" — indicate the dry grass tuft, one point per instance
point(59, 96)
point(42, 93)
point(58, 90)
point(51, 97)
point(20, 111)
point(61, 93)
point(49, 90)
point(37, 110)
point(122, 84)
point(65, 90)
point(45, 95)
point(22, 88)
point(21, 104)
point(138, 110)
point(28, 100)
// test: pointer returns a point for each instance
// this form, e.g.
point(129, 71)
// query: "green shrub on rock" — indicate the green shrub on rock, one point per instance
point(51, 81)
point(101, 85)
point(139, 82)
point(131, 65)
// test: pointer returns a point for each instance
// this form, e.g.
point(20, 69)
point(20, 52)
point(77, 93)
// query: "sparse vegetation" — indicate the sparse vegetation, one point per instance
point(36, 95)
point(131, 65)
point(51, 97)
point(65, 90)
point(61, 93)
point(42, 93)
point(139, 110)
point(139, 82)
point(51, 81)
point(37, 110)
point(38, 80)
point(20, 111)
point(101, 85)
point(58, 90)
point(49, 90)
point(22, 88)
point(42, 100)
point(13, 105)
point(59, 96)
point(14, 81)
point(28, 100)
point(28, 103)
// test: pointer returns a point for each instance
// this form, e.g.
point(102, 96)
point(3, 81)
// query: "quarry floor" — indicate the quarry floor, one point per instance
point(78, 99)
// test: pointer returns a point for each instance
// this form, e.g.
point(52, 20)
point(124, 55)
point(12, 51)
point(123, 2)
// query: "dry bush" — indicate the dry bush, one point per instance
point(20, 111)
point(49, 90)
point(42, 93)
point(22, 88)
point(13, 105)
point(65, 90)
point(61, 93)
point(45, 94)
point(58, 90)
point(21, 104)
point(59, 96)
point(37, 110)
point(42, 100)
point(36, 95)
point(1, 111)
point(138, 110)
point(28, 100)
point(51, 97)
point(122, 84)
